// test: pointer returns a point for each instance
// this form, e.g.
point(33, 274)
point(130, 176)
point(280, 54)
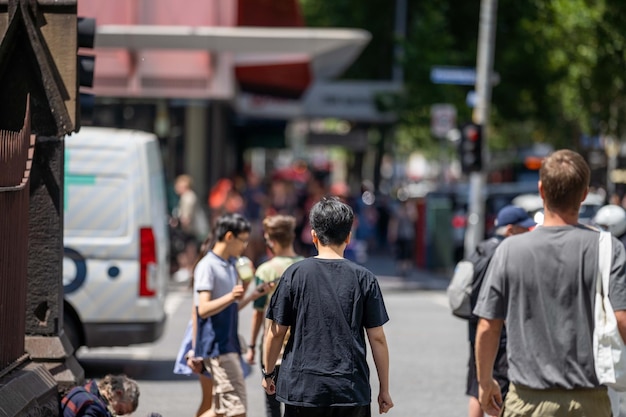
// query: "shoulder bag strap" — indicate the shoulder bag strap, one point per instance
point(605, 253)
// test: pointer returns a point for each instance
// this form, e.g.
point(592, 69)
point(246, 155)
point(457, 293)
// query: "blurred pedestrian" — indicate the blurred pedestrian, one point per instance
point(402, 235)
point(543, 285)
point(191, 219)
point(279, 233)
point(217, 290)
point(328, 302)
point(511, 220)
point(113, 395)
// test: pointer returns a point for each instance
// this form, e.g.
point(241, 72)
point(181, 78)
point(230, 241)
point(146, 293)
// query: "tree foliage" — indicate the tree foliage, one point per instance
point(561, 63)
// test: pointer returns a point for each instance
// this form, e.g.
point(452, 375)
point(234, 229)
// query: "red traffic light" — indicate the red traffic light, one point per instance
point(471, 132)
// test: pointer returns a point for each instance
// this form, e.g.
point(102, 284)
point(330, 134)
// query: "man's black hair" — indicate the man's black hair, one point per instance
point(332, 220)
point(231, 222)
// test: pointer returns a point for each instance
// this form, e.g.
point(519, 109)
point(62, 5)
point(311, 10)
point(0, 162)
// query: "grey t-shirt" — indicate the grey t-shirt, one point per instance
point(543, 284)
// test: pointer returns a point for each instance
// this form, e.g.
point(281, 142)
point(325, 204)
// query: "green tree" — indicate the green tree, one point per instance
point(561, 64)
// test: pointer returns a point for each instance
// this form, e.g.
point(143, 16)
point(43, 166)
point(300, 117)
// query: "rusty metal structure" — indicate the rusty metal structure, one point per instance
point(37, 73)
point(16, 158)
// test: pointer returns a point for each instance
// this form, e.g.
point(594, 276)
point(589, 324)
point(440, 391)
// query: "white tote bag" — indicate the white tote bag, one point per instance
point(608, 347)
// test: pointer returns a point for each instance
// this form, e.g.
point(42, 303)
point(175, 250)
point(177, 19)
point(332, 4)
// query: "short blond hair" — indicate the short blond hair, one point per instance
point(281, 228)
point(564, 177)
point(185, 179)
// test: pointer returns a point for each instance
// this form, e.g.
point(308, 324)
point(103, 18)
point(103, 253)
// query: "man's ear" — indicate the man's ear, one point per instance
point(585, 194)
point(349, 238)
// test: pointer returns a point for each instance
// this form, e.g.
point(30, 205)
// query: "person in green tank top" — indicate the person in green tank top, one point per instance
point(279, 233)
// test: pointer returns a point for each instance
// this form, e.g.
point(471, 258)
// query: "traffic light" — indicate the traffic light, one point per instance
point(470, 148)
point(86, 32)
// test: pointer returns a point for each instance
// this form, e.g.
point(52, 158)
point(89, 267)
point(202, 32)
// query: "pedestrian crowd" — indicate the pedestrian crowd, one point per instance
point(533, 340)
point(294, 301)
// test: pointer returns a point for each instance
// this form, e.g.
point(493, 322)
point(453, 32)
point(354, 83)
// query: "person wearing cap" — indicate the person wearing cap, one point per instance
point(543, 285)
point(511, 220)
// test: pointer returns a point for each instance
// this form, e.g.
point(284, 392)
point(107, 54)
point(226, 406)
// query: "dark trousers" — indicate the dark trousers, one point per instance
point(355, 411)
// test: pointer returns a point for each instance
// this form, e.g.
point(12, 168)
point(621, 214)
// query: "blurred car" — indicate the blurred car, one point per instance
point(496, 196)
point(533, 204)
point(588, 209)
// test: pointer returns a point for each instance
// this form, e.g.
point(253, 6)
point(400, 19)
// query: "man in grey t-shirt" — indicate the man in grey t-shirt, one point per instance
point(543, 284)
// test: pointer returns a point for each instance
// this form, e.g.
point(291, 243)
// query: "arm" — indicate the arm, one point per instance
point(257, 321)
point(274, 337)
point(620, 315)
point(194, 362)
point(259, 291)
point(208, 307)
point(487, 340)
point(380, 353)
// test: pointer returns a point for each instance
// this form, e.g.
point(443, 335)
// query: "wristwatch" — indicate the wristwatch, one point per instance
point(268, 374)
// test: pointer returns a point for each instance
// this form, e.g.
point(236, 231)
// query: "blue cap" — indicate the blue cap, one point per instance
point(514, 215)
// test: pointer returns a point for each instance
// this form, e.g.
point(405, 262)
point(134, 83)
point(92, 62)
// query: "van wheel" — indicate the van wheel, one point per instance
point(71, 328)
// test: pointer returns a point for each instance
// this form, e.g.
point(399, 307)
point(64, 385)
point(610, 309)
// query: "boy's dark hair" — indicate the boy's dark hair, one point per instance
point(231, 222)
point(332, 220)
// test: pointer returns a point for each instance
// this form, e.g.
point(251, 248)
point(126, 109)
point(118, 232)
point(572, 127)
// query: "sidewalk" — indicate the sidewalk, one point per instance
point(383, 265)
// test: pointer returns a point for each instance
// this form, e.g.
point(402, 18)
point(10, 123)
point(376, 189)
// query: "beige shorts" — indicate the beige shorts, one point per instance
point(528, 402)
point(229, 387)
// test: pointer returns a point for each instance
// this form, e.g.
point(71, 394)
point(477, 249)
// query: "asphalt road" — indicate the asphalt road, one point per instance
point(428, 352)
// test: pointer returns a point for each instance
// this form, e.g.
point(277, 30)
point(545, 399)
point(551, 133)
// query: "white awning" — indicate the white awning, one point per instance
point(331, 50)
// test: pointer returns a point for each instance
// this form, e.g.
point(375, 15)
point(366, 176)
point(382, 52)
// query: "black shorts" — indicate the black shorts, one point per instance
point(500, 372)
point(354, 411)
point(404, 249)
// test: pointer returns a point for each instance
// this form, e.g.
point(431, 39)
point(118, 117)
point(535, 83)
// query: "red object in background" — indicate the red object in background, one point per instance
point(420, 233)
point(284, 79)
point(288, 80)
point(219, 193)
point(295, 174)
point(275, 13)
point(147, 257)
point(459, 221)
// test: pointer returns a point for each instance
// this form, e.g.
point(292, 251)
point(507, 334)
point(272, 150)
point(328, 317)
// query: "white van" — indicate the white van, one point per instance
point(116, 242)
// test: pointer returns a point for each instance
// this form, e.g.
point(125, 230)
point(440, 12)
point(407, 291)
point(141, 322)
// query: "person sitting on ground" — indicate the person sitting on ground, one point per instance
point(113, 395)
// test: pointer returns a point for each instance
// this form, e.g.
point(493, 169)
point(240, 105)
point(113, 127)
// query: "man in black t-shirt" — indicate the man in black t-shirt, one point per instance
point(330, 303)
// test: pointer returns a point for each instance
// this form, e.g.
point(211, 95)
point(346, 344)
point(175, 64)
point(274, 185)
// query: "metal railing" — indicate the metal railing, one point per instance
point(16, 156)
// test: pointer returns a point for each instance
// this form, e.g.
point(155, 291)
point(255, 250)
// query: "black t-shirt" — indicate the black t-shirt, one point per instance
point(328, 303)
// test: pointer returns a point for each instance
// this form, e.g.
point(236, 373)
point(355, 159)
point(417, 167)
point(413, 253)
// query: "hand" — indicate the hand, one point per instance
point(490, 398)
point(384, 402)
point(196, 364)
point(237, 292)
point(250, 356)
point(269, 385)
point(262, 289)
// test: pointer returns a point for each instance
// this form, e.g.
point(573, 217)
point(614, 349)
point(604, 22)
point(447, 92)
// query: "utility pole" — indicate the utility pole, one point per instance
point(484, 75)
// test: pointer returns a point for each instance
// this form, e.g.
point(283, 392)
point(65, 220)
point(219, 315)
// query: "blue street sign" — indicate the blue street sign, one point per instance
point(457, 75)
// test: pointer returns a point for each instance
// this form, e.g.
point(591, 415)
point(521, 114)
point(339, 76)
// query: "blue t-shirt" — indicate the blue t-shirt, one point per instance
point(328, 303)
point(217, 334)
